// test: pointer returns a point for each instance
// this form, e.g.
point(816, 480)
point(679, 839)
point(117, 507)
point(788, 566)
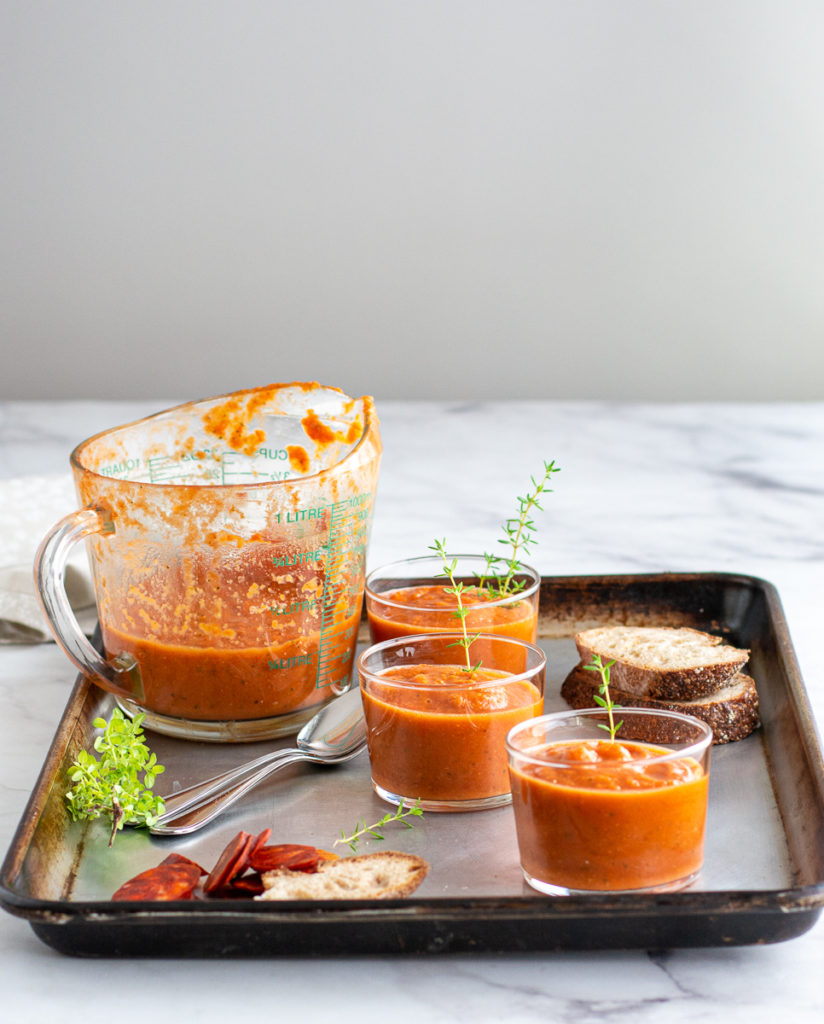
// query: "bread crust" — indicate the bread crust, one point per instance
point(731, 713)
point(386, 875)
point(650, 663)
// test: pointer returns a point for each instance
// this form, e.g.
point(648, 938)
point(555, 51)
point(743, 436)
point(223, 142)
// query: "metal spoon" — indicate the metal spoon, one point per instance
point(336, 733)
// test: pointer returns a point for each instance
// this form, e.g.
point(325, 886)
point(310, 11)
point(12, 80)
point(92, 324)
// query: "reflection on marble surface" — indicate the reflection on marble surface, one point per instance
point(643, 488)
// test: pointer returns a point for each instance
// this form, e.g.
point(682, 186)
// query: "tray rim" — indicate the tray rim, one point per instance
point(803, 902)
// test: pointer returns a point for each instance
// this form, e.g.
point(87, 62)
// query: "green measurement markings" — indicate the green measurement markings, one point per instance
point(347, 538)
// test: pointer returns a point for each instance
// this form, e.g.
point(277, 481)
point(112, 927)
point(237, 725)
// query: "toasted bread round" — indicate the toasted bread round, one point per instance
point(662, 662)
point(371, 876)
point(731, 712)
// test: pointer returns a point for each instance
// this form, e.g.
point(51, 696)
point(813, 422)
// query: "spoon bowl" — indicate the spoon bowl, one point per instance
point(336, 734)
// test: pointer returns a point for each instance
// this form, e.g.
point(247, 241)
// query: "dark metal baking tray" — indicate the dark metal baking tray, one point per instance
point(763, 879)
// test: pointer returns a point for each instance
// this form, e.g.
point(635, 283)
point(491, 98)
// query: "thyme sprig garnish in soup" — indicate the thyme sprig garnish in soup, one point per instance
point(519, 536)
point(602, 697)
point(499, 594)
point(456, 588)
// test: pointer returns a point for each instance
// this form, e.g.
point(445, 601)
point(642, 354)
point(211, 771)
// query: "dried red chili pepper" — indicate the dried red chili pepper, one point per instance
point(285, 855)
point(178, 858)
point(173, 881)
point(232, 862)
point(177, 877)
point(247, 885)
point(261, 840)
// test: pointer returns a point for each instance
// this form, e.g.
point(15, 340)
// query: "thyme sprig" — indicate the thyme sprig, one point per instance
point(602, 698)
point(519, 536)
point(461, 612)
point(375, 831)
point(111, 785)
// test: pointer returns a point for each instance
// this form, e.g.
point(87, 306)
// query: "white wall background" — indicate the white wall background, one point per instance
point(413, 198)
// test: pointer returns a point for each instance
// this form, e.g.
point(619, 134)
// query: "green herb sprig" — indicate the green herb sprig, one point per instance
point(602, 698)
point(375, 831)
point(457, 589)
point(111, 784)
point(519, 536)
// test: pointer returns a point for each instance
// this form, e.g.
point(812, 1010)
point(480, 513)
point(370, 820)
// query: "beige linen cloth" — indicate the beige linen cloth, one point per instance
point(29, 508)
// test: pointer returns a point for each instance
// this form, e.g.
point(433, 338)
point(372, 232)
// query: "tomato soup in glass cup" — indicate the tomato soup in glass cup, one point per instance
point(436, 732)
point(410, 597)
point(594, 814)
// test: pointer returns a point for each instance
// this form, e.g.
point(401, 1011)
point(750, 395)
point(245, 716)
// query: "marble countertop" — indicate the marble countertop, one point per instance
point(643, 488)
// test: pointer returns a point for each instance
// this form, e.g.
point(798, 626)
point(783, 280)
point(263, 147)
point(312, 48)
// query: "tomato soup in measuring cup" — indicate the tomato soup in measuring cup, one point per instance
point(228, 540)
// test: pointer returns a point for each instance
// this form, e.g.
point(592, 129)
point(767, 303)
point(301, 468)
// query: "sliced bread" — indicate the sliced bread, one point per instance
point(371, 876)
point(731, 712)
point(662, 662)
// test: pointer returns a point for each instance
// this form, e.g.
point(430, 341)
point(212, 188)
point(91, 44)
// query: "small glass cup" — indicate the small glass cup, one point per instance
point(594, 815)
point(437, 733)
point(408, 597)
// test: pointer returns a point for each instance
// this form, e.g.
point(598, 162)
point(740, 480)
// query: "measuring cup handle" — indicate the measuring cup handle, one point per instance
point(119, 676)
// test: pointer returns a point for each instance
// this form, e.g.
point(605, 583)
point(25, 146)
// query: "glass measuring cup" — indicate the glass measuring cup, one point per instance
point(227, 540)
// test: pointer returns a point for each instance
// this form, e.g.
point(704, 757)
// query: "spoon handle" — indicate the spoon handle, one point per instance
point(194, 796)
point(219, 793)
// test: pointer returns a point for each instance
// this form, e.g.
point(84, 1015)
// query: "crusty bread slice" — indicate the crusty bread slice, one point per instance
point(371, 876)
point(662, 662)
point(731, 712)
